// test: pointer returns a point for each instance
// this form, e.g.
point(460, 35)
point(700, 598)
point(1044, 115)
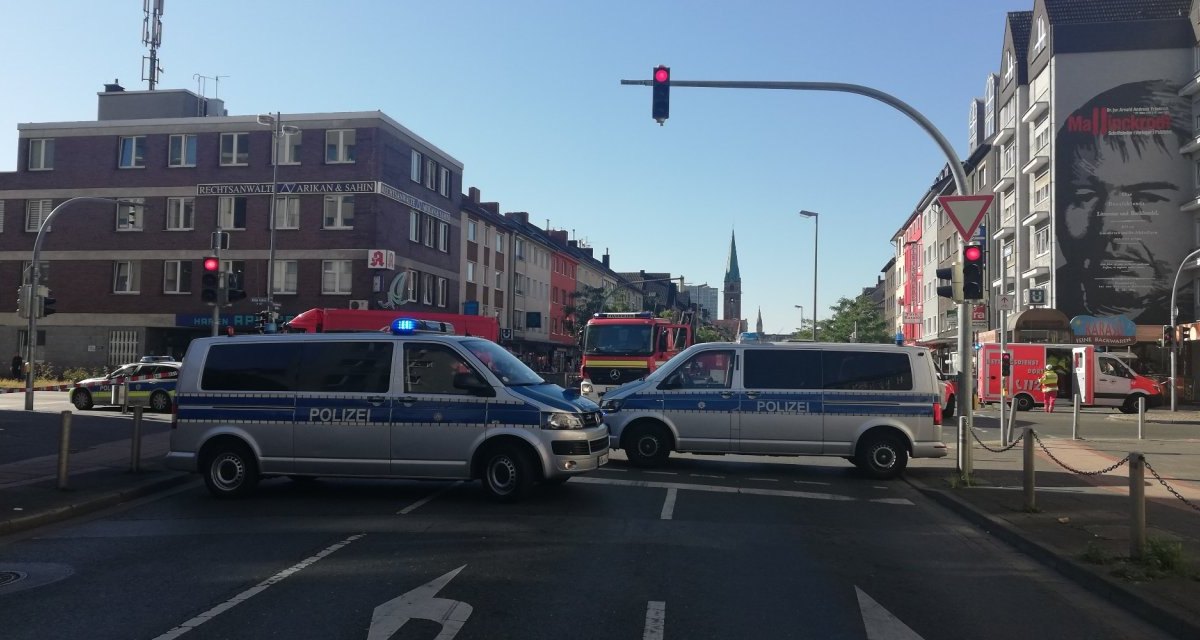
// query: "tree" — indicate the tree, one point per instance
point(585, 303)
point(853, 320)
point(708, 334)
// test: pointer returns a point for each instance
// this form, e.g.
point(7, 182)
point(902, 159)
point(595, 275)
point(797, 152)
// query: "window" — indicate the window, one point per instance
point(129, 216)
point(1040, 43)
point(782, 369)
point(285, 276)
point(41, 154)
point(441, 292)
point(1009, 208)
point(1041, 240)
point(411, 287)
point(470, 272)
point(35, 212)
point(177, 276)
point(1, 216)
point(261, 366)
point(430, 228)
point(1010, 65)
point(430, 174)
point(501, 241)
point(520, 248)
point(181, 213)
point(1041, 186)
point(989, 108)
point(432, 368)
point(345, 367)
point(287, 212)
point(231, 212)
point(126, 276)
point(867, 371)
point(181, 151)
point(335, 277)
point(339, 212)
point(705, 370)
point(414, 172)
point(133, 152)
point(289, 145)
point(1041, 139)
point(443, 237)
point(235, 149)
point(1008, 158)
point(414, 225)
point(339, 146)
point(444, 181)
point(499, 280)
point(471, 231)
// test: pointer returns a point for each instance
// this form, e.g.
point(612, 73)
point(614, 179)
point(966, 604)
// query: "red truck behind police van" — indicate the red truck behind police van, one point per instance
point(339, 320)
point(1104, 379)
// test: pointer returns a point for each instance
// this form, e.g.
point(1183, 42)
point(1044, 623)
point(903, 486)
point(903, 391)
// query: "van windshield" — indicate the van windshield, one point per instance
point(511, 371)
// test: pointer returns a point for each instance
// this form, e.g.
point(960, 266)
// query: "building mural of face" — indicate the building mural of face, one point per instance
point(1119, 186)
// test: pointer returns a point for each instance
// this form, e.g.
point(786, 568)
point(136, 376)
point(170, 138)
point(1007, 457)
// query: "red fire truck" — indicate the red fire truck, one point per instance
point(622, 347)
point(340, 320)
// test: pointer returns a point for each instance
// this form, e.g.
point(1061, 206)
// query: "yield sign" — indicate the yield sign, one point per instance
point(966, 212)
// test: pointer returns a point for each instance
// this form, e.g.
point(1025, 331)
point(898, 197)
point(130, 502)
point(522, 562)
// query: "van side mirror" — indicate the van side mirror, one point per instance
point(673, 381)
point(468, 381)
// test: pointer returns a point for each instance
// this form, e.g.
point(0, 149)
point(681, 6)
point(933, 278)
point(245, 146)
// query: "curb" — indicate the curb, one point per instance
point(1116, 593)
point(90, 505)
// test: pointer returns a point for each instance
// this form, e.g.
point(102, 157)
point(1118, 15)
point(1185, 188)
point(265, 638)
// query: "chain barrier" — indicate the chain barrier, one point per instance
point(1114, 466)
point(1169, 487)
point(1010, 446)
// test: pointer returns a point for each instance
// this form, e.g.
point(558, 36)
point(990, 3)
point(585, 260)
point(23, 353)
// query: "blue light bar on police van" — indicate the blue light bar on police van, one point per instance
point(624, 314)
point(409, 326)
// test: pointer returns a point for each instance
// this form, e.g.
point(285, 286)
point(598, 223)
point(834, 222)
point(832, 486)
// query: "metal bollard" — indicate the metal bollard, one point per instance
point(1012, 417)
point(125, 398)
point(1137, 498)
point(1027, 470)
point(964, 448)
point(135, 453)
point(1075, 418)
point(1141, 415)
point(64, 449)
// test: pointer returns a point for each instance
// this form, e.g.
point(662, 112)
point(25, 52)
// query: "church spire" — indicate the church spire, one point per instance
point(758, 325)
point(732, 273)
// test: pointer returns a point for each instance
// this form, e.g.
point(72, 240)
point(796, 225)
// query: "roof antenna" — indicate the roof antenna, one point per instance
point(152, 37)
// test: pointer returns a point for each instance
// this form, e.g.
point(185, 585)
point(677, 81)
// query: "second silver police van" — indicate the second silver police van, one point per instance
point(408, 404)
point(875, 405)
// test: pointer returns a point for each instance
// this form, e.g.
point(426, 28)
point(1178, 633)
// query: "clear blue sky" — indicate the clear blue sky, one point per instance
point(526, 94)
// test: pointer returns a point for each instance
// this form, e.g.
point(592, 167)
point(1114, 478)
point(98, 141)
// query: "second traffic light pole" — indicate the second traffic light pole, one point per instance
point(965, 382)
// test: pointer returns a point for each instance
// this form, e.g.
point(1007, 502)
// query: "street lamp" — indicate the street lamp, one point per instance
point(816, 231)
point(278, 129)
point(1173, 316)
point(35, 277)
point(801, 308)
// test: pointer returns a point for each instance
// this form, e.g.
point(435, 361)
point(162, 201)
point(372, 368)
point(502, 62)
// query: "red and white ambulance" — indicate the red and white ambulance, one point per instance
point(1104, 380)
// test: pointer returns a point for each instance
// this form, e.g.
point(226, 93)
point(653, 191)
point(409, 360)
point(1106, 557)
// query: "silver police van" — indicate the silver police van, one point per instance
point(872, 404)
point(404, 404)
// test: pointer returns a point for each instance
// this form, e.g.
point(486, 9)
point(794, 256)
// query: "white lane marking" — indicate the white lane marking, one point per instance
point(878, 487)
point(419, 503)
point(612, 469)
point(664, 473)
point(712, 488)
point(255, 590)
point(880, 623)
point(701, 475)
point(669, 506)
point(904, 501)
point(764, 479)
point(656, 620)
point(420, 604)
point(823, 484)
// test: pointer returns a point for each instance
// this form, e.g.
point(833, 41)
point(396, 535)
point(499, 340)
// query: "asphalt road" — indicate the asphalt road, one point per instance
point(31, 434)
point(1093, 423)
point(707, 548)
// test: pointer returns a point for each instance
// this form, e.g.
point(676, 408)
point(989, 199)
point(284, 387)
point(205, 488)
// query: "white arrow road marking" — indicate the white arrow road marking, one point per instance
point(656, 620)
point(880, 623)
point(420, 604)
point(669, 506)
point(253, 591)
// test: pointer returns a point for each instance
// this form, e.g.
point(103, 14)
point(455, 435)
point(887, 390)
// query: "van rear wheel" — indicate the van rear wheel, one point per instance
point(230, 470)
point(647, 445)
point(883, 456)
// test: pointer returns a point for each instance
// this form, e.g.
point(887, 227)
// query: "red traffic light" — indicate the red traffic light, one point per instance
point(973, 254)
point(662, 74)
point(212, 264)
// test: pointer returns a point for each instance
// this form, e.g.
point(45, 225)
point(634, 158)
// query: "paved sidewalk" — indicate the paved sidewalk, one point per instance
point(1081, 525)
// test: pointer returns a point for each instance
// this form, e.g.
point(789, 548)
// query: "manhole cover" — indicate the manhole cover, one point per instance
point(9, 577)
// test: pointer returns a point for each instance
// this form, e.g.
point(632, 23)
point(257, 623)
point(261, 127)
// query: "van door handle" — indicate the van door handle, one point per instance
point(752, 394)
point(406, 399)
point(726, 395)
point(376, 400)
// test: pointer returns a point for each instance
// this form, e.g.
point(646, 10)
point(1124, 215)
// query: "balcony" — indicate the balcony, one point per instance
point(1192, 205)
point(1004, 184)
point(1191, 146)
point(1005, 231)
point(1191, 87)
point(1037, 163)
point(1035, 272)
point(1004, 134)
point(1041, 213)
point(1035, 111)
point(1002, 284)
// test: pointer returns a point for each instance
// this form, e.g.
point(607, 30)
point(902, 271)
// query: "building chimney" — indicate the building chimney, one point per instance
point(519, 216)
point(473, 194)
point(492, 207)
point(115, 86)
point(558, 235)
point(574, 244)
point(604, 258)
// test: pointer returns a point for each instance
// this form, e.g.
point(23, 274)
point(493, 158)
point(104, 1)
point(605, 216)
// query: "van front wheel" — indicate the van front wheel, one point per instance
point(647, 445)
point(883, 457)
point(507, 473)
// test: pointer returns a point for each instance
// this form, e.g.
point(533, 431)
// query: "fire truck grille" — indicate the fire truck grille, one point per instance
point(613, 375)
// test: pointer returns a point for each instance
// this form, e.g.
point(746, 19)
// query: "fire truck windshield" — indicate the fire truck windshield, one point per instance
point(618, 339)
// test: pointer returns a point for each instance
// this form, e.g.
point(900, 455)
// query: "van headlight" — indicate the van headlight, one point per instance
point(562, 420)
point(585, 387)
point(610, 406)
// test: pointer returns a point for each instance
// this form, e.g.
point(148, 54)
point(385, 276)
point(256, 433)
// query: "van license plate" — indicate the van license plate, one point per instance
point(602, 460)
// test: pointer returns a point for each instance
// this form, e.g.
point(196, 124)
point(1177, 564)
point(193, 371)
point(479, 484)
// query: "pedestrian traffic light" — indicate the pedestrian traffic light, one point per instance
point(261, 320)
point(234, 290)
point(45, 303)
point(23, 301)
point(1168, 336)
point(972, 272)
point(210, 282)
point(954, 274)
point(660, 107)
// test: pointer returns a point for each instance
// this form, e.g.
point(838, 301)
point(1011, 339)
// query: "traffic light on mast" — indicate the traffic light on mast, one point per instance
point(234, 288)
point(210, 282)
point(972, 272)
point(954, 274)
point(45, 303)
point(660, 107)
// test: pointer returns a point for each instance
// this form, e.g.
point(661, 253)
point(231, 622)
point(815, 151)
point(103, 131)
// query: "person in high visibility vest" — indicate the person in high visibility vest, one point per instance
point(1049, 388)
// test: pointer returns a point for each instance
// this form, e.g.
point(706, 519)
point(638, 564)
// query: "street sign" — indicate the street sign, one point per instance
point(966, 212)
point(1004, 302)
point(979, 316)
